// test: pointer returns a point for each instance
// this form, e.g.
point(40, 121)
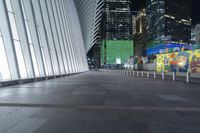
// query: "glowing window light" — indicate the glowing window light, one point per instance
point(20, 59)
point(4, 68)
point(35, 65)
point(17, 45)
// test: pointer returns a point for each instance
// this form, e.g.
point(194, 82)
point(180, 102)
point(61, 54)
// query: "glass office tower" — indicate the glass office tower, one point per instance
point(168, 23)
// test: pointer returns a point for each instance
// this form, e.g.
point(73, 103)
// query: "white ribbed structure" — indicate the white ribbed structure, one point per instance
point(41, 38)
point(90, 12)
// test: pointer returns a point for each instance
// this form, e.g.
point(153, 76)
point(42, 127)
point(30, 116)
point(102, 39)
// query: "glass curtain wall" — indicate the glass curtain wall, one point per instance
point(4, 68)
point(40, 38)
point(16, 41)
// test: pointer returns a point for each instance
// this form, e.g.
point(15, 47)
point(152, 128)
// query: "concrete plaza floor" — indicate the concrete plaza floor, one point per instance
point(100, 102)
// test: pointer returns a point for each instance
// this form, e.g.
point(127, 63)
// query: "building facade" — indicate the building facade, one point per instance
point(43, 38)
point(140, 35)
point(169, 23)
point(116, 32)
point(134, 18)
point(197, 34)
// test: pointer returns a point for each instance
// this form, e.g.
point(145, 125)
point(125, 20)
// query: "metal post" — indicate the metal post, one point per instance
point(174, 76)
point(130, 73)
point(133, 73)
point(137, 73)
point(142, 73)
point(154, 75)
point(147, 74)
point(188, 78)
point(163, 75)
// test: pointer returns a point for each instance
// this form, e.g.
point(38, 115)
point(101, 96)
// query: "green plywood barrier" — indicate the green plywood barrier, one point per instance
point(112, 50)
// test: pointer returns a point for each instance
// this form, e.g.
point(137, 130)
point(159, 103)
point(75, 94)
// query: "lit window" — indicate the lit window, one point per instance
point(13, 26)
point(28, 32)
point(35, 65)
point(44, 59)
point(4, 68)
point(18, 50)
point(20, 59)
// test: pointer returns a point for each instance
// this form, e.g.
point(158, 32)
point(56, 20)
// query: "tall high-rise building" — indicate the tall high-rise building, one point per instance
point(117, 33)
point(169, 24)
point(134, 18)
point(197, 33)
point(140, 35)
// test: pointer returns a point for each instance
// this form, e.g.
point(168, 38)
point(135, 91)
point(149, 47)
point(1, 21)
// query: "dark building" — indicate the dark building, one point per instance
point(117, 21)
point(93, 56)
point(117, 44)
point(140, 34)
point(169, 23)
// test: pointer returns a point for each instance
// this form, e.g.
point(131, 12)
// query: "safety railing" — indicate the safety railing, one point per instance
point(172, 76)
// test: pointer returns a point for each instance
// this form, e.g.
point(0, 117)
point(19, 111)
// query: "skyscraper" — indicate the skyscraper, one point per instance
point(140, 35)
point(169, 24)
point(117, 35)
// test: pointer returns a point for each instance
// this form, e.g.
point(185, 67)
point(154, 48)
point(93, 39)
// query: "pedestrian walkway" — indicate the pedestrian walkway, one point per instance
point(100, 102)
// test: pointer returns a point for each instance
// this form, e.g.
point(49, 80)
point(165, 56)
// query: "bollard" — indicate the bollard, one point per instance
point(163, 75)
point(148, 75)
point(133, 73)
point(142, 73)
point(174, 76)
point(130, 73)
point(137, 73)
point(154, 75)
point(188, 78)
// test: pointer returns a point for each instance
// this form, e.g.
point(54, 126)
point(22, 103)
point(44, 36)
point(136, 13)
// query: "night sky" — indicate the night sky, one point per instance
point(195, 11)
point(138, 4)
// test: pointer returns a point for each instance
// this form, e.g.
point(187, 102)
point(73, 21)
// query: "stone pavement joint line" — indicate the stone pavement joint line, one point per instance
point(100, 102)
